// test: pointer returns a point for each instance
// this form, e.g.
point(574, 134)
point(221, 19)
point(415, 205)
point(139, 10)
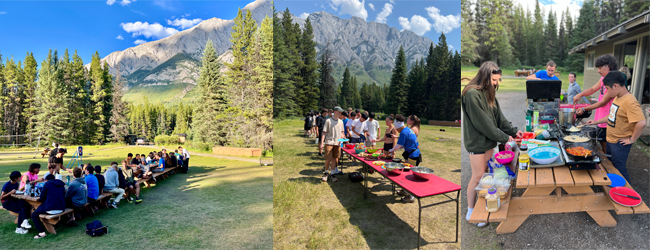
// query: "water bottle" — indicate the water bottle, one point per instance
point(27, 187)
point(68, 182)
point(32, 190)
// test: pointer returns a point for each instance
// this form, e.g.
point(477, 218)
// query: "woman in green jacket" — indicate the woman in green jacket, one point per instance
point(483, 125)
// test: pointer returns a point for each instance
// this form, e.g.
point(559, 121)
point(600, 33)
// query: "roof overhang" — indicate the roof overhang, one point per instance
point(623, 28)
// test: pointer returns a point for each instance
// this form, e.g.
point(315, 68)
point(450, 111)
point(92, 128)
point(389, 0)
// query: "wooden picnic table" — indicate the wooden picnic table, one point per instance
point(417, 187)
point(543, 195)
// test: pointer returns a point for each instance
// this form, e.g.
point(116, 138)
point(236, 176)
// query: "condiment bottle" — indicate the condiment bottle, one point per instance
point(492, 200)
point(524, 160)
point(27, 187)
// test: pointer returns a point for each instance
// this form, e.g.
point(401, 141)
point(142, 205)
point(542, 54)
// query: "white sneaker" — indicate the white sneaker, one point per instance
point(21, 231)
point(480, 224)
point(26, 224)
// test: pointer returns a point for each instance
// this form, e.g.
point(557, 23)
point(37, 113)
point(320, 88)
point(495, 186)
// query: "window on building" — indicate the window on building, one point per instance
point(590, 60)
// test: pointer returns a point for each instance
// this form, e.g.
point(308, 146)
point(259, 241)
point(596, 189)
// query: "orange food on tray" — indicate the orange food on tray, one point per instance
point(579, 151)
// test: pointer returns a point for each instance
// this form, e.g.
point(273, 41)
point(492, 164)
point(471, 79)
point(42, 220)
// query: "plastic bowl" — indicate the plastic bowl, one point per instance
point(544, 155)
point(529, 135)
point(507, 160)
point(349, 146)
point(422, 172)
point(372, 150)
point(358, 151)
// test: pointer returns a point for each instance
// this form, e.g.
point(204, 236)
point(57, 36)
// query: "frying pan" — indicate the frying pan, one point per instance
point(586, 145)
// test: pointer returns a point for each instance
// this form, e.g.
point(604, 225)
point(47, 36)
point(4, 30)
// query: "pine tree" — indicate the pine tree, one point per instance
point(12, 99)
point(634, 7)
point(98, 94)
point(2, 87)
point(29, 89)
point(283, 89)
point(552, 48)
point(208, 127)
point(585, 29)
point(357, 96)
point(498, 41)
point(119, 124)
point(79, 100)
point(396, 102)
point(51, 124)
point(309, 67)
point(328, 87)
point(537, 37)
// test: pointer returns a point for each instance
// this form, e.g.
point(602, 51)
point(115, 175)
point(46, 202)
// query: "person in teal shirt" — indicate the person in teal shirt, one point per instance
point(548, 74)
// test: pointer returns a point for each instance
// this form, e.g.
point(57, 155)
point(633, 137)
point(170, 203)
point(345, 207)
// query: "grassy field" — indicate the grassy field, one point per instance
point(168, 94)
point(510, 82)
point(218, 204)
point(312, 214)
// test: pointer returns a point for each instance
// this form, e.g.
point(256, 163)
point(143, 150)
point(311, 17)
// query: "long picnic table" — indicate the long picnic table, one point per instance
point(417, 187)
point(538, 198)
point(49, 221)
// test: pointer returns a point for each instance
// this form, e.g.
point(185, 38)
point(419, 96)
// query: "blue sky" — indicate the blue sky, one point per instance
point(89, 26)
point(426, 18)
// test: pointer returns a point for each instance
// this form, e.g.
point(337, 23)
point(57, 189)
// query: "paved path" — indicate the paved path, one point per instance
point(567, 230)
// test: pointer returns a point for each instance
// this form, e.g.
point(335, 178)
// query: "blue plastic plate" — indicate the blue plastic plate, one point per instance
point(617, 180)
point(343, 140)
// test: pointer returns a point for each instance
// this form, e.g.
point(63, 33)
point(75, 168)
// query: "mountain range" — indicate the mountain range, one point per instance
point(167, 70)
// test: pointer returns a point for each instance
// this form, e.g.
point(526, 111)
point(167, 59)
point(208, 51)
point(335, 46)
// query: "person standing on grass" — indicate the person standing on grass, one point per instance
point(390, 136)
point(52, 202)
point(332, 132)
point(320, 123)
point(625, 122)
point(186, 159)
point(31, 176)
point(371, 130)
point(357, 132)
point(112, 185)
point(414, 123)
point(58, 160)
point(483, 125)
point(574, 89)
point(605, 64)
point(19, 206)
point(76, 196)
point(55, 150)
point(308, 123)
point(548, 74)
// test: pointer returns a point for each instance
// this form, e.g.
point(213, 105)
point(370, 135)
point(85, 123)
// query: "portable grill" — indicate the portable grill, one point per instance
point(578, 164)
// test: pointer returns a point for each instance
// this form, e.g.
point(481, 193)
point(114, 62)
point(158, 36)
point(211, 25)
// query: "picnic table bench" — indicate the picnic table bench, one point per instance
point(418, 188)
point(538, 198)
point(11, 213)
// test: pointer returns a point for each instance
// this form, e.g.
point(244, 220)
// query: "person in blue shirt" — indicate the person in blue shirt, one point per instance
point(409, 141)
point(92, 184)
point(548, 74)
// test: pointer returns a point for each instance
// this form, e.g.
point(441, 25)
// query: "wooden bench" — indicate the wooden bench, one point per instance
point(45, 152)
point(12, 213)
point(49, 220)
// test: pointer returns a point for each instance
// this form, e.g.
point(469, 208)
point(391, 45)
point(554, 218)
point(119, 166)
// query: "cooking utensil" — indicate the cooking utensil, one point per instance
point(567, 117)
point(590, 131)
point(397, 160)
point(422, 172)
point(624, 200)
point(586, 145)
point(628, 196)
point(394, 168)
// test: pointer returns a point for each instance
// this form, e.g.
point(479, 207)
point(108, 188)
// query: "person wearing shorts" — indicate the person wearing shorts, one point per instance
point(332, 132)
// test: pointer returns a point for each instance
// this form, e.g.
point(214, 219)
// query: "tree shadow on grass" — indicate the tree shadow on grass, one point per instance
point(380, 226)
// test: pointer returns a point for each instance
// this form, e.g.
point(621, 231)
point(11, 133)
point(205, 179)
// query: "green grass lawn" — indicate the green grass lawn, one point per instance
point(511, 83)
point(218, 204)
point(312, 214)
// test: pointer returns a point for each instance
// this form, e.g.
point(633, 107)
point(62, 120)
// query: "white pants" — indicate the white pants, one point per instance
point(118, 191)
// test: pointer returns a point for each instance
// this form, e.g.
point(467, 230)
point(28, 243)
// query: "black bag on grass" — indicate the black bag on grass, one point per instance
point(96, 228)
point(355, 177)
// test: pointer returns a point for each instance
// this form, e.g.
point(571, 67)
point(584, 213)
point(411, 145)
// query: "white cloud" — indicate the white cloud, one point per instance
point(119, 37)
point(186, 15)
point(443, 23)
point(184, 23)
point(3, 12)
point(139, 41)
point(147, 30)
point(381, 17)
point(333, 7)
point(123, 2)
point(450, 47)
point(351, 7)
point(418, 24)
point(391, 1)
point(304, 15)
point(165, 4)
point(371, 6)
point(138, 12)
point(126, 2)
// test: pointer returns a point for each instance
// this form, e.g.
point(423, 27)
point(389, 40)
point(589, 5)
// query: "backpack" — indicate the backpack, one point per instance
point(355, 177)
point(96, 228)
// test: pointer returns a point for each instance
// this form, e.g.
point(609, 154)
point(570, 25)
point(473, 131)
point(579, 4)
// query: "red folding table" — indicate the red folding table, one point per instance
point(417, 187)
